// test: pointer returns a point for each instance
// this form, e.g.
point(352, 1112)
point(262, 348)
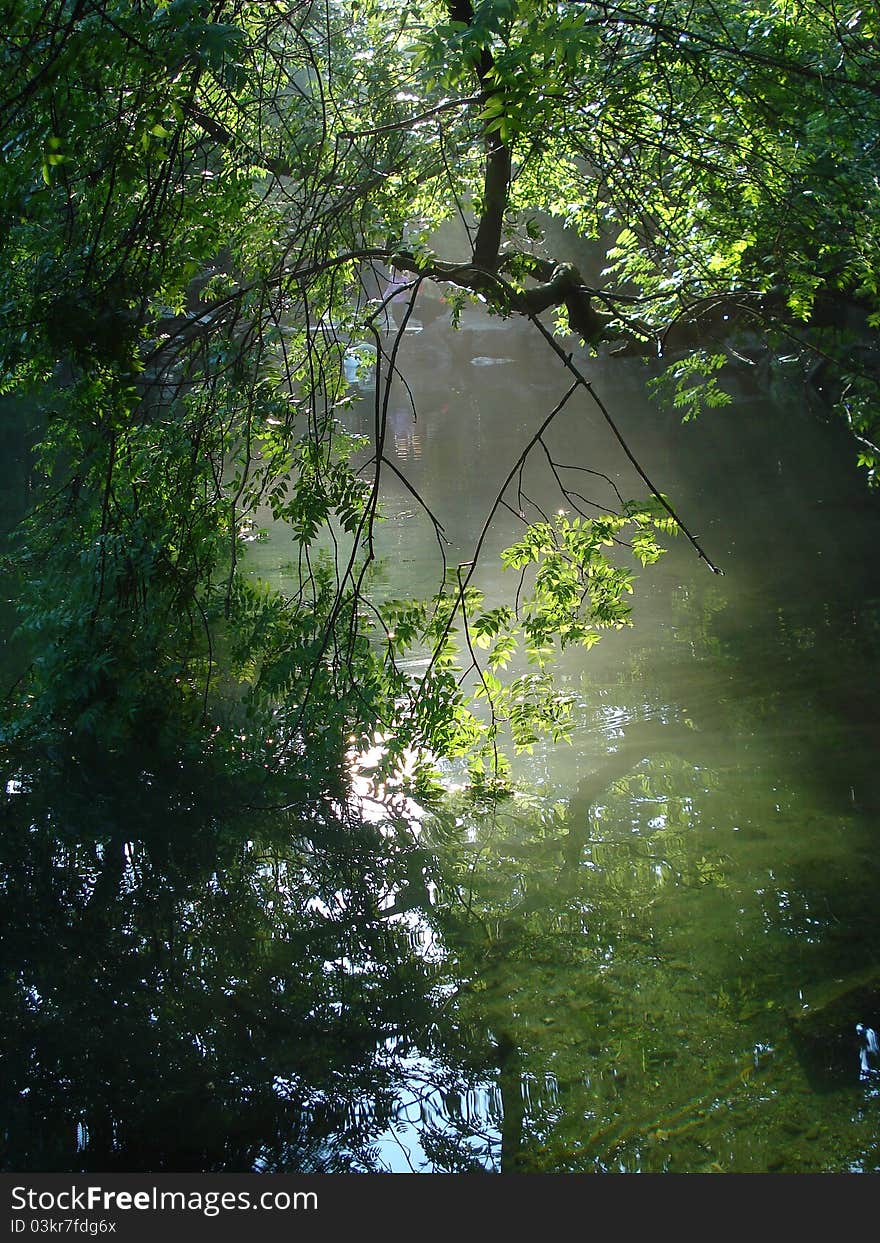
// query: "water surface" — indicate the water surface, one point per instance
point(652, 958)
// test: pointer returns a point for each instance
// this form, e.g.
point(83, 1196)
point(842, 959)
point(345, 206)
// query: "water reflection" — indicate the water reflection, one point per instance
point(186, 989)
point(653, 958)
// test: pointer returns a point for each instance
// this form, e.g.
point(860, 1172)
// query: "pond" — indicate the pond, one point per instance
point(653, 957)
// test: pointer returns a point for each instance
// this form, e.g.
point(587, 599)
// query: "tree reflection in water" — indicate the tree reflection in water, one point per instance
point(614, 980)
point(182, 992)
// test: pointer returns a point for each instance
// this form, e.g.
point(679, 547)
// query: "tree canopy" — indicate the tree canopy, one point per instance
point(201, 203)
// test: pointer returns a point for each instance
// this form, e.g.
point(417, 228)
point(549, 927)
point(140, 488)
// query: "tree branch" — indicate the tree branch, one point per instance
point(496, 180)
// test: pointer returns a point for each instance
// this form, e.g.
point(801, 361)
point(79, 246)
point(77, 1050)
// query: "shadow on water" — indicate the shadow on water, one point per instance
point(652, 958)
